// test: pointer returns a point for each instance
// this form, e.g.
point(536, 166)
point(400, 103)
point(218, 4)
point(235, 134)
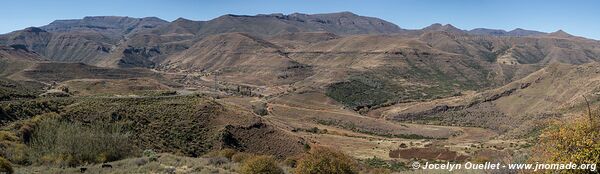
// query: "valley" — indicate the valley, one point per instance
point(280, 85)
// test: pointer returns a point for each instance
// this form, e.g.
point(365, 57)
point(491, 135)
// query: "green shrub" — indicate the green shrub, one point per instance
point(20, 110)
point(151, 155)
point(378, 165)
point(70, 144)
point(5, 166)
point(324, 160)
point(260, 109)
point(398, 166)
point(260, 164)
point(376, 162)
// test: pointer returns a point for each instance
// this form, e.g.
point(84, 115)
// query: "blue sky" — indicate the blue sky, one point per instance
point(580, 18)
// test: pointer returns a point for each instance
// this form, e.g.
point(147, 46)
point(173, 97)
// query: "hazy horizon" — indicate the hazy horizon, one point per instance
point(576, 18)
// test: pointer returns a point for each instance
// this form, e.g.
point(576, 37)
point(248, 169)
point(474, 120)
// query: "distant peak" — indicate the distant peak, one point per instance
point(180, 19)
point(434, 26)
point(440, 27)
point(560, 33)
point(153, 19)
point(449, 26)
point(524, 32)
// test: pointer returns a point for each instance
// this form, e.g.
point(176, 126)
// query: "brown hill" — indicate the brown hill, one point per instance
point(343, 23)
point(18, 53)
point(188, 125)
point(397, 69)
point(114, 27)
point(239, 58)
point(14, 59)
point(516, 108)
point(298, 40)
point(370, 70)
point(145, 42)
point(89, 40)
point(167, 40)
point(84, 47)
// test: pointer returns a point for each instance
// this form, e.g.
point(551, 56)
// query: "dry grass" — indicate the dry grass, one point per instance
point(240, 157)
point(165, 163)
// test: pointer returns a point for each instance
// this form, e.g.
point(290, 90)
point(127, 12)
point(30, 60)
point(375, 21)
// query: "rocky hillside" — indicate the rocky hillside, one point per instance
point(520, 106)
point(125, 41)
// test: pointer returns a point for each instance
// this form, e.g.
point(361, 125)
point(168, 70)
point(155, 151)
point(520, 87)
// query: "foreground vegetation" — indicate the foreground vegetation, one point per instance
point(155, 133)
point(576, 141)
point(64, 143)
point(11, 90)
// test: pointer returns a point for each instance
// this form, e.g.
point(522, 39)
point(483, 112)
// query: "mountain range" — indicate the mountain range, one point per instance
point(148, 42)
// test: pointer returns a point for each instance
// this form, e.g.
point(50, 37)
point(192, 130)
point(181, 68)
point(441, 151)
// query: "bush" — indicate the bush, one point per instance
point(291, 162)
point(378, 165)
point(376, 162)
point(577, 142)
point(325, 160)
point(151, 155)
point(70, 144)
point(11, 148)
point(15, 152)
point(398, 166)
point(260, 109)
point(260, 164)
point(227, 153)
point(240, 157)
point(5, 166)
